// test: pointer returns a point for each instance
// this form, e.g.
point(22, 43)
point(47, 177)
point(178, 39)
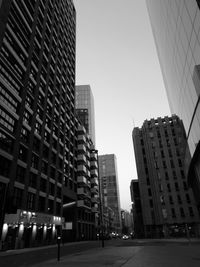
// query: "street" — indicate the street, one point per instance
point(138, 253)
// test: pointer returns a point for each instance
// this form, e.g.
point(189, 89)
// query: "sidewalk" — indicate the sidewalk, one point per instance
point(172, 255)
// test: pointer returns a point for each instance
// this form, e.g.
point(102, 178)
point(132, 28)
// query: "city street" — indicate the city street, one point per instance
point(138, 253)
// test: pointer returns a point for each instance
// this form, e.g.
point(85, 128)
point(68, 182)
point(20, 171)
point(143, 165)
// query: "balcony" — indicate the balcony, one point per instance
point(94, 190)
point(82, 148)
point(88, 173)
point(94, 199)
point(83, 192)
point(81, 158)
point(94, 181)
point(93, 156)
point(81, 139)
point(83, 204)
point(82, 180)
point(93, 165)
point(81, 129)
point(94, 173)
point(81, 169)
point(95, 209)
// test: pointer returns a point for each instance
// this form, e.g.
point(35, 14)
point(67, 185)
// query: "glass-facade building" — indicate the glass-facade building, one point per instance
point(110, 188)
point(84, 102)
point(176, 29)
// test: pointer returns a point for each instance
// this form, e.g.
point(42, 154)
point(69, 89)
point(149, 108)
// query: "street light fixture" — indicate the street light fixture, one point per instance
point(100, 203)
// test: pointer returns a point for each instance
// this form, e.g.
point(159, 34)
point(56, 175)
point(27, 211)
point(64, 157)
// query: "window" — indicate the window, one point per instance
point(182, 174)
point(24, 135)
point(34, 161)
point(180, 163)
point(171, 200)
point(23, 153)
point(31, 201)
point(185, 186)
point(198, 3)
point(33, 180)
point(174, 175)
point(191, 212)
point(43, 185)
point(166, 176)
point(17, 197)
point(50, 206)
point(20, 174)
point(160, 188)
point(179, 199)
point(164, 164)
point(172, 163)
point(4, 166)
point(41, 204)
point(149, 192)
point(151, 203)
point(7, 121)
point(188, 198)
point(173, 213)
point(51, 189)
point(168, 187)
point(6, 142)
point(176, 187)
point(182, 212)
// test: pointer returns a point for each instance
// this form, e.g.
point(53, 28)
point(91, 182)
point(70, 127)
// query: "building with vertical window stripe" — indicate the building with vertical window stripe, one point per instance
point(167, 204)
point(37, 119)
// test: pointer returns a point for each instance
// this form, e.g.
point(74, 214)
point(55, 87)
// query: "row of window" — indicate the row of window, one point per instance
point(31, 202)
point(7, 121)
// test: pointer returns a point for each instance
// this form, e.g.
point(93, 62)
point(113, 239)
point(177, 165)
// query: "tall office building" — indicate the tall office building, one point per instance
point(37, 119)
point(166, 202)
point(85, 108)
point(176, 28)
point(110, 188)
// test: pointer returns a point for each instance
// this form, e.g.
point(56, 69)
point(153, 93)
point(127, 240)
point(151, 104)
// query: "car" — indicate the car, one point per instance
point(125, 237)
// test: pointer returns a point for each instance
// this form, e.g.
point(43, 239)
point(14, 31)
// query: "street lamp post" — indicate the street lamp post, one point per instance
point(100, 203)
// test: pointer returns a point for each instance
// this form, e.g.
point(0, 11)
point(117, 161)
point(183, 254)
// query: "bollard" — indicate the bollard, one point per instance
point(58, 254)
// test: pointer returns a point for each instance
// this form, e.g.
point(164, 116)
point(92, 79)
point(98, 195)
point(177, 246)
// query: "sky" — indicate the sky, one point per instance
point(116, 56)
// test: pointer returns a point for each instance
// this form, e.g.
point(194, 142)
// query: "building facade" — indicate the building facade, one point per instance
point(110, 188)
point(168, 205)
point(127, 223)
point(138, 225)
point(37, 119)
point(176, 27)
point(87, 187)
point(85, 109)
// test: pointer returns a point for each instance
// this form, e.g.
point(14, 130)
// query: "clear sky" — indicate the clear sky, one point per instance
point(116, 56)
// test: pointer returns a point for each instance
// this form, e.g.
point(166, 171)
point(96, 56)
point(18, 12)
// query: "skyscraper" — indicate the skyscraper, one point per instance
point(37, 118)
point(176, 27)
point(85, 109)
point(166, 202)
point(110, 188)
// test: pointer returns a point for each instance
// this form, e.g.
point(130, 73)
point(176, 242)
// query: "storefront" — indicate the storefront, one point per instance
point(29, 229)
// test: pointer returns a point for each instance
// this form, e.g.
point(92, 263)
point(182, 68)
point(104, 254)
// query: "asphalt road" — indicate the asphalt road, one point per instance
point(31, 257)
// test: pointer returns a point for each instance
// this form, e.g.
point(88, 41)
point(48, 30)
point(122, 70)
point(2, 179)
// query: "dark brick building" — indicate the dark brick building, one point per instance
point(168, 206)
